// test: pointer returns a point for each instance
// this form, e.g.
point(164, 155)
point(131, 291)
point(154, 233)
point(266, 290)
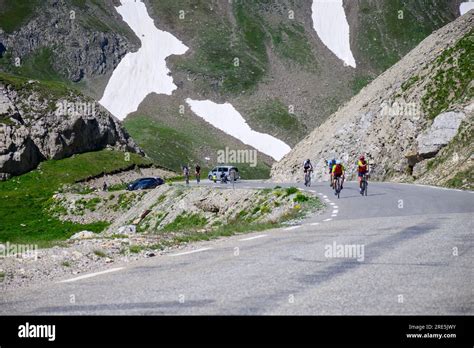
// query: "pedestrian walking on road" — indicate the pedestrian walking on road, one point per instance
point(186, 174)
point(197, 172)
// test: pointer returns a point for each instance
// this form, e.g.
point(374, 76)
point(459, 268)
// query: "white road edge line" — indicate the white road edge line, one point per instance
point(335, 211)
point(329, 219)
point(314, 223)
point(190, 252)
point(90, 275)
point(255, 237)
point(292, 228)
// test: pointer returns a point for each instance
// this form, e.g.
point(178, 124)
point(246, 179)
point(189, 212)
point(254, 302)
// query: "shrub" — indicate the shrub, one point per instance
point(300, 198)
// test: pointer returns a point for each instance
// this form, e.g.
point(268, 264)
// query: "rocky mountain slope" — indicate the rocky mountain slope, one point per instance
point(287, 81)
point(415, 121)
point(81, 41)
point(40, 121)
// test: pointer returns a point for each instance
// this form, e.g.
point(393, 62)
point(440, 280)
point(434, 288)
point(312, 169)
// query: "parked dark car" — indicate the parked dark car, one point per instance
point(145, 183)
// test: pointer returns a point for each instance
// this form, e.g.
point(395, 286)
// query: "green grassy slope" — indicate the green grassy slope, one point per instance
point(26, 198)
point(448, 80)
point(37, 65)
point(274, 116)
point(453, 79)
point(218, 45)
point(14, 13)
point(46, 89)
point(232, 57)
point(390, 29)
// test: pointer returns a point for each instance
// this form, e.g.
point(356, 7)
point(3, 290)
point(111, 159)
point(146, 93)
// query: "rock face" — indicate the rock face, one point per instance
point(445, 126)
point(36, 124)
point(80, 44)
point(411, 112)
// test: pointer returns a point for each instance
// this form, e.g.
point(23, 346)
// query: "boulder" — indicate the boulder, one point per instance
point(445, 126)
point(83, 235)
point(127, 229)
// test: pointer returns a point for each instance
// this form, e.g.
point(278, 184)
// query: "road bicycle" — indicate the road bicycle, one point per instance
point(337, 186)
point(363, 185)
point(307, 178)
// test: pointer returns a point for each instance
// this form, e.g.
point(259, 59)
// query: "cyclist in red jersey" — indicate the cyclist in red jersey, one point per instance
point(362, 168)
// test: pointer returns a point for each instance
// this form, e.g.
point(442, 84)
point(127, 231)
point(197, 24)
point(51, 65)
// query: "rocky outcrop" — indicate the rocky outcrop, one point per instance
point(411, 112)
point(36, 124)
point(83, 235)
point(445, 126)
point(85, 41)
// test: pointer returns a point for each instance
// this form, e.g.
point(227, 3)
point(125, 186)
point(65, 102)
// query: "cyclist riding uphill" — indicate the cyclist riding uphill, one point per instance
point(362, 168)
point(331, 164)
point(307, 166)
point(338, 171)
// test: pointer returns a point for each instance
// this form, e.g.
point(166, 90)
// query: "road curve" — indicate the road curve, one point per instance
point(415, 257)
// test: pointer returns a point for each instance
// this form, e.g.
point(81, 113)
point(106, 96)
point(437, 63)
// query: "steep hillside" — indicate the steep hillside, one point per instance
point(414, 121)
point(388, 30)
point(70, 40)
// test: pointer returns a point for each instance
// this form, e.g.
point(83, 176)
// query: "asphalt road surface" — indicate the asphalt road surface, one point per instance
point(403, 249)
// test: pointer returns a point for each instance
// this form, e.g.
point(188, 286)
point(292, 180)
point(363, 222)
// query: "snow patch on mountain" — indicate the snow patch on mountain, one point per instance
point(226, 118)
point(465, 7)
point(330, 23)
point(143, 72)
